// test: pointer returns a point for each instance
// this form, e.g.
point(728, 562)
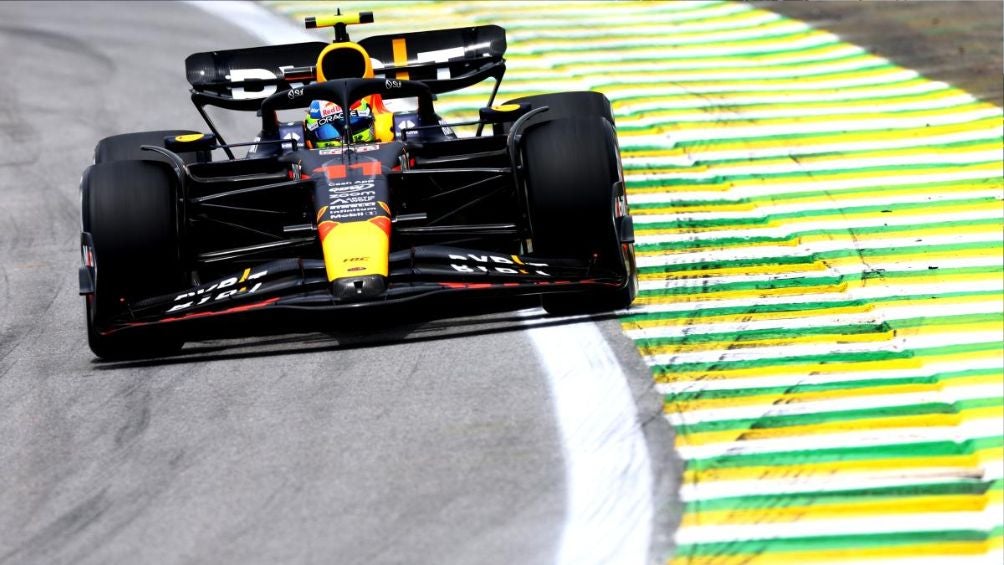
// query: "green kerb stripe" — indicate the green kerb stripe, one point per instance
point(828, 455)
point(773, 422)
point(740, 393)
point(870, 356)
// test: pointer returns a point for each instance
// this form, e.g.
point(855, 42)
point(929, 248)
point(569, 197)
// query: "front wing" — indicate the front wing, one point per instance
point(295, 293)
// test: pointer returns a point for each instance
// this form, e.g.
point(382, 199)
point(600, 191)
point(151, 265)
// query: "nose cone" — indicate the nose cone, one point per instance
point(353, 289)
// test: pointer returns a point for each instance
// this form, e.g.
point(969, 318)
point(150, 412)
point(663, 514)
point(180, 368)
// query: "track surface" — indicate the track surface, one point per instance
point(432, 443)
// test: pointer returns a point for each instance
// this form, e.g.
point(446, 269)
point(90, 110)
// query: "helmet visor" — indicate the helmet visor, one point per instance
point(327, 132)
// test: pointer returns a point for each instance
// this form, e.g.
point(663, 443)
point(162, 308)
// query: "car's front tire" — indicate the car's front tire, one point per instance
point(572, 176)
point(130, 211)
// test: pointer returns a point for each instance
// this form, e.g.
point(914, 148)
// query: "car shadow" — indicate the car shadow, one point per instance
point(370, 336)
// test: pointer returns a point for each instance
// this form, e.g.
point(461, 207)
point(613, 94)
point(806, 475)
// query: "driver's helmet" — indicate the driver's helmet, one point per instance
point(324, 123)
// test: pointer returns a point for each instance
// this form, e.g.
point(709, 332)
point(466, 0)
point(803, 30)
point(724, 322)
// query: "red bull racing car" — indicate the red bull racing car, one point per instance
point(348, 214)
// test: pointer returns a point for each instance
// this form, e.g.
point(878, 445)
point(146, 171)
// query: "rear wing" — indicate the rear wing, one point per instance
point(239, 79)
point(445, 60)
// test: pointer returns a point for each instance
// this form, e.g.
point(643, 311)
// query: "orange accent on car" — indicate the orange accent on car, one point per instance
point(234, 310)
point(323, 228)
point(400, 49)
point(383, 222)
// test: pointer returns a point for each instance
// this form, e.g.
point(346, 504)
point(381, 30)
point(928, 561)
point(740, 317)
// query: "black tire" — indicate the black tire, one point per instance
point(572, 173)
point(126, 147)
point(130, 210)
point(567, 105)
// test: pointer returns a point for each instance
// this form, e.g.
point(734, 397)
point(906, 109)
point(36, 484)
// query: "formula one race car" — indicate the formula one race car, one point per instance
point(357, 209)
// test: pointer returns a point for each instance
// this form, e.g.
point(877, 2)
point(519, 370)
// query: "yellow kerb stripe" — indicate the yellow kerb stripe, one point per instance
point(845, 510)
point(733, 344)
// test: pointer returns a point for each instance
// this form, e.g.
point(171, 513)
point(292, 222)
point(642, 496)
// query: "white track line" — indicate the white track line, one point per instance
point(608, 473)
point(609, 515)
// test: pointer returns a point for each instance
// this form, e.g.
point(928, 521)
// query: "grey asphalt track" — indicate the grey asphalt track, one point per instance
point(427, 444)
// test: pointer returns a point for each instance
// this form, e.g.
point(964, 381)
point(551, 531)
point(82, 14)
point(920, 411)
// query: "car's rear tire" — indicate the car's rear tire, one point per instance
point(572, 176)
point(130, 211)
point(126, 147)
